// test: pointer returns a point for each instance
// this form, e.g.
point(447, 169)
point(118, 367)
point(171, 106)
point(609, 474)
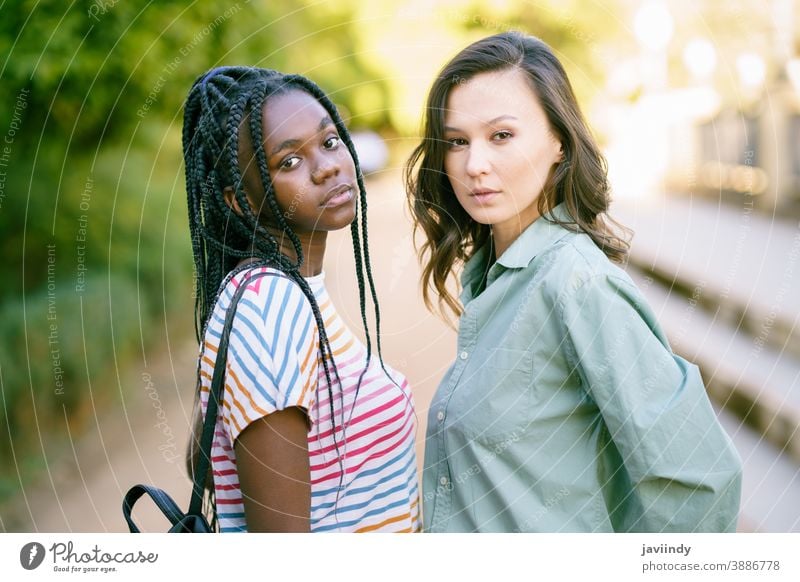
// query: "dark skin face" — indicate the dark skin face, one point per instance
point(312, 172)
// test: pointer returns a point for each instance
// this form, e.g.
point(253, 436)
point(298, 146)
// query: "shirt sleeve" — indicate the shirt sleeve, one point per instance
point(272, 354)
point(676, 469)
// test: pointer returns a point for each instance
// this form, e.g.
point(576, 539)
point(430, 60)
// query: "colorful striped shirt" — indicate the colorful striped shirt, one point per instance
point(371, 484)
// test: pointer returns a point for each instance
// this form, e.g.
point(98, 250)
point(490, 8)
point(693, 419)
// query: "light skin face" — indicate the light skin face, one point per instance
point(501, 152)
point(312, 172)
point(314, 178)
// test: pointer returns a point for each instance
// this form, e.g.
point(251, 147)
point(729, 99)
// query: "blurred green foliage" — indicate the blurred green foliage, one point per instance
point(67, 336)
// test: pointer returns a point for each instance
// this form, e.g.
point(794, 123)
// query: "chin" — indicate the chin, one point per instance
point(487, 217)
point(339, 221)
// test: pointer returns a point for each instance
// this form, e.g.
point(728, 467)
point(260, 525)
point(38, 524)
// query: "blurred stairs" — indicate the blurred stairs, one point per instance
point(725, 285)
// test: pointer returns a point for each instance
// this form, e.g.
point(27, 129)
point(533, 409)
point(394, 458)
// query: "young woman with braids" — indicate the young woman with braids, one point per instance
point(565, 409)
point(314, 432)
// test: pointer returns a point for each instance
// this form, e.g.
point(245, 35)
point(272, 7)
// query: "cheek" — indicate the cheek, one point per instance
point(532, 163)
point(345, 159)
point(287, 192)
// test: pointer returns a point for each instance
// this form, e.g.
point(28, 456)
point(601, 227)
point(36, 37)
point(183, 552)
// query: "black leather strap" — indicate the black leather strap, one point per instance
point(215, 395)
point(161, 499)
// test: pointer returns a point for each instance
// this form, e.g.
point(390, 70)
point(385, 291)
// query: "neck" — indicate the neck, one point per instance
point(505, 233)
point(313, 245)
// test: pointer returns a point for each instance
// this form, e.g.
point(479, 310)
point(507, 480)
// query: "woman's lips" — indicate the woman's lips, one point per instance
point(338, 196)
point(483, 196)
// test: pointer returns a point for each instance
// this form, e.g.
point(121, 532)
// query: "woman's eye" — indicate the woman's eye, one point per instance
point(332, 142)
point(502, 135)
point(289, 163)
point(456, 142)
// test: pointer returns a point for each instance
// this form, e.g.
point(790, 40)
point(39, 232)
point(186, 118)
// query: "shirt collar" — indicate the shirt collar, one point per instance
point(540, 235)
point(473, 272)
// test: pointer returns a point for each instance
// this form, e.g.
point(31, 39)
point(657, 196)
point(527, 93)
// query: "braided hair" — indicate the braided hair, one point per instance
point(219, 104)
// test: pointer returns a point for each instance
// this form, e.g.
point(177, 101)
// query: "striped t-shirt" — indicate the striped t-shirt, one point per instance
point(273, 363)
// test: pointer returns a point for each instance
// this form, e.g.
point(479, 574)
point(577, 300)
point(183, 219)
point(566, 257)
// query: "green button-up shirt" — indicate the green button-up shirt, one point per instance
point(566, 409)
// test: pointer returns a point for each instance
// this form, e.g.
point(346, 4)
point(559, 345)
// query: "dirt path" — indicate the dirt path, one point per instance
point(143, 438)
point(82, 489)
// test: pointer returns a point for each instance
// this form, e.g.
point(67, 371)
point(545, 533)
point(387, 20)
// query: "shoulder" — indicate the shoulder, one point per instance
point(576, 265)
point(262, 284)
point(269, 294)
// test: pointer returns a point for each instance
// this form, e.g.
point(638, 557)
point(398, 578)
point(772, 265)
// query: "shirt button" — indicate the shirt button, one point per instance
point(443, 480)
point(464, 355)
point(440, 416)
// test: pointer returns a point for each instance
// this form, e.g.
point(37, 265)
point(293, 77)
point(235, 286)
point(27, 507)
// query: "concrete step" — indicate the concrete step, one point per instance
point(770, 485)
point(743, 267)
point(757, 383)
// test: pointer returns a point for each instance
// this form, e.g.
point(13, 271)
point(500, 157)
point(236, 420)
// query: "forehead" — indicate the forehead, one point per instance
point(489, 95)
point(291, 115)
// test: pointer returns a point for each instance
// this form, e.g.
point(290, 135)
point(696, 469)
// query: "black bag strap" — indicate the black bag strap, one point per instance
point(163, 501)
point(179, 522)
point(216, 393)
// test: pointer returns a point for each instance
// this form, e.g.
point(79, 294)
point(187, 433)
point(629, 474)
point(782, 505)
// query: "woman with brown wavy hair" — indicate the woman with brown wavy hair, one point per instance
point(565, 409)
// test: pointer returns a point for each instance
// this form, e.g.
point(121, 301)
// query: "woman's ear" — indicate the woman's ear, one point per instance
point(230, 199)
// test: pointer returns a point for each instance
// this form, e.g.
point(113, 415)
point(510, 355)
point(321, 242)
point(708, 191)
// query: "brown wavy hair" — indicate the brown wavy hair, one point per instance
point(580, 180)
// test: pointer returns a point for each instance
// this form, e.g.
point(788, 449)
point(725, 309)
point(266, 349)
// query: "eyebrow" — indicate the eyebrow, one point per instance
point(293, 142)
point(490, 122)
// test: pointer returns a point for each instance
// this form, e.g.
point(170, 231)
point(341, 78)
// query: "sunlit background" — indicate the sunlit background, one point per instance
point(696, 104)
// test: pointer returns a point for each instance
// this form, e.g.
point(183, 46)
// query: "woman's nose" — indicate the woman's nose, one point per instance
point(327, 167)
point(477, 161)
